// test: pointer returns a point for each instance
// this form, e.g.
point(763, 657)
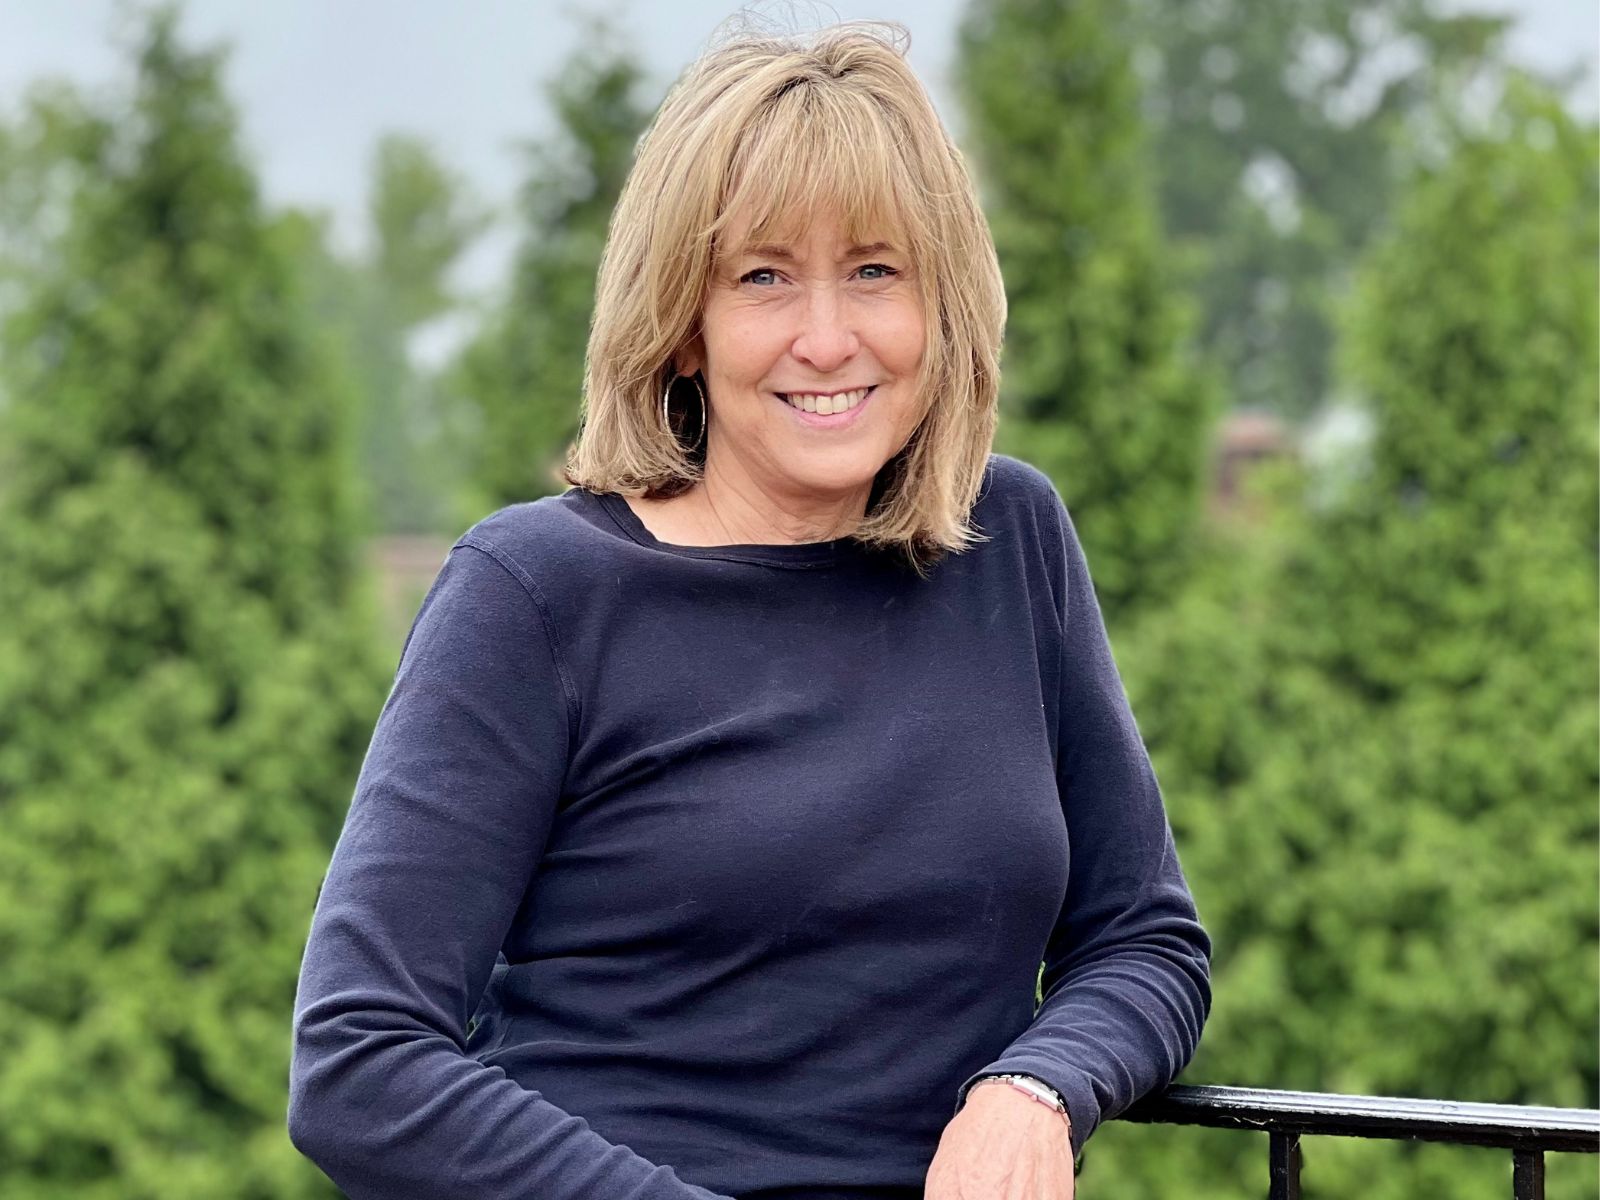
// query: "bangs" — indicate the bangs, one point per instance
point(815, 152)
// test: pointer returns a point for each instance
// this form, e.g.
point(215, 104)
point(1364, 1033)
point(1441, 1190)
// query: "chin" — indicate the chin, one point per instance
point(836, 480)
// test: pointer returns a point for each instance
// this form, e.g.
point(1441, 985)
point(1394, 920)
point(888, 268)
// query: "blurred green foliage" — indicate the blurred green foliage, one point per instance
point(1375, 718)
point(44, 152)
point(1279, 132)
point(187, 677)
point(372, 305)
point(517, 384)
point(1099, 388)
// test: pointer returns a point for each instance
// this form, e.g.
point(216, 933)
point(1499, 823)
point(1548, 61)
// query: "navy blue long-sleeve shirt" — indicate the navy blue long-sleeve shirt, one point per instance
point(742, 860)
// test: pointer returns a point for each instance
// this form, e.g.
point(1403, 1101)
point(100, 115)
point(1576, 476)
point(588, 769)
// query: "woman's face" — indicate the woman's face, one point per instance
point(817, 323)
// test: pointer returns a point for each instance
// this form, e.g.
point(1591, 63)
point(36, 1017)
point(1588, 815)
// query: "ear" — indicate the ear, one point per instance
point(691, 358)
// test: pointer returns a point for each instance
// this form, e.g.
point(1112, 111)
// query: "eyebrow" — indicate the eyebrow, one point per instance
point(781, 253)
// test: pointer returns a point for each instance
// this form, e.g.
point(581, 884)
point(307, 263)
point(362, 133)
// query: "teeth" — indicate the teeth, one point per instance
point(827, 405)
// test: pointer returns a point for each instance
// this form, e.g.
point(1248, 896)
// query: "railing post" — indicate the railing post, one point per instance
point(1285, 1166)
point(1527, 1174)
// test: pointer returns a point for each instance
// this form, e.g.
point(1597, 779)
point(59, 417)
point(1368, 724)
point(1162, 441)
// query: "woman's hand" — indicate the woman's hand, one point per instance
point(1002, 1145)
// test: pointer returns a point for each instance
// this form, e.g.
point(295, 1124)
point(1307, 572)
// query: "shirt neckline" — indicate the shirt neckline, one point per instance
point(780, 554)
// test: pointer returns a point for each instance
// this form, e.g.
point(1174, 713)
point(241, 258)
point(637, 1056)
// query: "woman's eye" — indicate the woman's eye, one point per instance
point(761, 275)
point(883, 272)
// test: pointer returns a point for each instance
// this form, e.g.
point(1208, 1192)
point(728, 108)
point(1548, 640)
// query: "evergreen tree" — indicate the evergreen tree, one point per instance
point(1386, 714)
point(521, 381)
point(187, 672)
point(1098, 389)
point(1453, 598)
point(1273, 126)
point(45, 148)
point(421, 220)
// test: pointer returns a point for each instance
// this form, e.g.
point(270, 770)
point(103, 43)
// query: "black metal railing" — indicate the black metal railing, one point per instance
point(1528, 1132)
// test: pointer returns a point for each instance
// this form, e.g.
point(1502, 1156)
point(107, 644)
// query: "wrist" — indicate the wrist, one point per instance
point(1029, 1086)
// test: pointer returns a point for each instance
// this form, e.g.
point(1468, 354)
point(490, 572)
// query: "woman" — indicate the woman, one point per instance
point(724, 806)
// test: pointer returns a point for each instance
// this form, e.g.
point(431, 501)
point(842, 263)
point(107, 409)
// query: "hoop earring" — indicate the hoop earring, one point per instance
point(666, 420)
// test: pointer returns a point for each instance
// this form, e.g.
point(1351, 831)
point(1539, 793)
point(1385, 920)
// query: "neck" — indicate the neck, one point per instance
point(736, 511)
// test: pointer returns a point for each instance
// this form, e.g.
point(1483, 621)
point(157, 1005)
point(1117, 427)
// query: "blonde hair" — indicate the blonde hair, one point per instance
point(776, 130)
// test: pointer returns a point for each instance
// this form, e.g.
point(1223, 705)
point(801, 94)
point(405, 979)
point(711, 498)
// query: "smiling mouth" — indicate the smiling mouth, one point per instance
point(826, 405)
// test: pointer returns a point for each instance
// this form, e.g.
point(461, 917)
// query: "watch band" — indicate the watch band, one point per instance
point(1033, 1086)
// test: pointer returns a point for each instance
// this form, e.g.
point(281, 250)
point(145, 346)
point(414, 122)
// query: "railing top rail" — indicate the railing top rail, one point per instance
point(1513, 1126)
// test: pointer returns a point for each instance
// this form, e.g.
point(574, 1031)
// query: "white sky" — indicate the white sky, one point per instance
point(318, 80)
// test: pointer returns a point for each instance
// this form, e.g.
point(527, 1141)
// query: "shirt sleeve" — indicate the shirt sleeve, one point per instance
point(451, 812)
point(1126, 985)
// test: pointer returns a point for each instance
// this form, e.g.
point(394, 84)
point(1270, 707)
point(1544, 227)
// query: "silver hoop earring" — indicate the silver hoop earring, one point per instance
point(666, 419)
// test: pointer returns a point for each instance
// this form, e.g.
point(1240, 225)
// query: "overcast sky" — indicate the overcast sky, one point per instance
point(318, 81)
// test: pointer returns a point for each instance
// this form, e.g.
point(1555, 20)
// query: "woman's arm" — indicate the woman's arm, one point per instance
point(449, 819)
point(1127, 968)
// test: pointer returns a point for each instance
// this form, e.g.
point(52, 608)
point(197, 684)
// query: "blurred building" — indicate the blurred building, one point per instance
point(405, 566)
point(1245, 439)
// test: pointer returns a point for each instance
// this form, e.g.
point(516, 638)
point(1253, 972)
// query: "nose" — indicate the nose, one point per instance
point(827, 338)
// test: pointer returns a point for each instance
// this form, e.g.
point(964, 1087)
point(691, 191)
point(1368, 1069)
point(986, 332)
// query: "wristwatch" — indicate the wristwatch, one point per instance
point(1034, 1086)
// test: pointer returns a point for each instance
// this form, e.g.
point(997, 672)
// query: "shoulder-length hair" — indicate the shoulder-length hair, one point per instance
point(769, 131)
